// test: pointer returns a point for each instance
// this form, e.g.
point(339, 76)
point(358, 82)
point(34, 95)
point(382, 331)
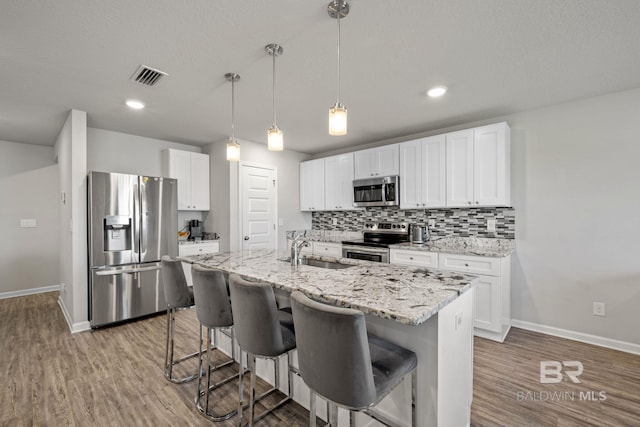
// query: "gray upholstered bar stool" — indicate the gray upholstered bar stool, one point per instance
point(262, 331)
point(213, 308)
point(339, 362)
point(179, 296)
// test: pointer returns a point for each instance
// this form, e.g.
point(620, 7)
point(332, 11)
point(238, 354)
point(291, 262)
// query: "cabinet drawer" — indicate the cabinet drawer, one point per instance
point(470, 264)
point(326, 248)
point(417, 258)
point(199, 249)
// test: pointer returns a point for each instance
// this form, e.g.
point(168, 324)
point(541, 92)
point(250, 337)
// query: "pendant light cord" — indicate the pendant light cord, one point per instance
point(233, 109)
point(274, 88)
point(339, 10)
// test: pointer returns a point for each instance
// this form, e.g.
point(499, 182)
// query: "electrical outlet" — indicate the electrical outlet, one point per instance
point(458, 321)
point(598, 309)
point(334, 221)
point(491, 225)
point(431, 223)
point(281, 222)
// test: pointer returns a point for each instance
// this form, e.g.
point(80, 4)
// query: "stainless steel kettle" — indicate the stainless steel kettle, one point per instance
point(419, 233)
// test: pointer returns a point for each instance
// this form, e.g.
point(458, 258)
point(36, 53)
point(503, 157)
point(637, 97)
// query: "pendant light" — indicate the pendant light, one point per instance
point(275, 140)
point(338, 113)
point(233, 148)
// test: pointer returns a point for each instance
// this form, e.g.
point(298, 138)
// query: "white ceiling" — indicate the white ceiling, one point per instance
point(496, 57)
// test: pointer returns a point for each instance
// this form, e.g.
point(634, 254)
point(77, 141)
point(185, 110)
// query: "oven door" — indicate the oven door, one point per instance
point(366, 253)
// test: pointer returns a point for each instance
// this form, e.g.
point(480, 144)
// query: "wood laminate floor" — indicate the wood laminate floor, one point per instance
point(113, 377)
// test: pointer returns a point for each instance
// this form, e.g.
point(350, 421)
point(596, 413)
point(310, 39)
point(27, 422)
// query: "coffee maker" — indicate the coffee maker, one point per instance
point(195, 229)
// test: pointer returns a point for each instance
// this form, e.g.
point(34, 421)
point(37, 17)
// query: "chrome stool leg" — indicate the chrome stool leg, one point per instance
point(206, 371)
point(169, 361)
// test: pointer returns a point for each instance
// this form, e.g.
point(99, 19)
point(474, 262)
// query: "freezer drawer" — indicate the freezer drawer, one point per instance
point(127, 292)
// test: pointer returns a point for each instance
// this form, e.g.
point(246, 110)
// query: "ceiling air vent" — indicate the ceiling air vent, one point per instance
point(147, 75)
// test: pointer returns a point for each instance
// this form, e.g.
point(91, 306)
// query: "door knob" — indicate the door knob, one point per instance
point(246, 237)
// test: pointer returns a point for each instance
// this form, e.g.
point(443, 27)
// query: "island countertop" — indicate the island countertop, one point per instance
point(408, 295)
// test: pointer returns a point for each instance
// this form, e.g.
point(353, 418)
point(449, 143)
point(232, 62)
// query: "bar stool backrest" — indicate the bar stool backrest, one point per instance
point(176, 290)
point(256, 321)
point(213, 306)
point(333, 352)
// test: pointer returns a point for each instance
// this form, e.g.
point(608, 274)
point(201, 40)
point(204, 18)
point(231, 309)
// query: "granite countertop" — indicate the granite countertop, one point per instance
point(408, 295)
point(464, 246)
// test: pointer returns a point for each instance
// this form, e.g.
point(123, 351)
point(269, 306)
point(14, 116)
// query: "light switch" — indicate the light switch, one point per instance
point(431, 223)
point(28, 223)
point(281, 222)
point(491, 225)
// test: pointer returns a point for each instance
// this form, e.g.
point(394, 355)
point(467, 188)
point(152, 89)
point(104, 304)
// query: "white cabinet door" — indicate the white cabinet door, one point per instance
point(178, 166)
point(487, 304)
point(411, 174)
point(434, 176)
point(379, 161)
point(192, 172)
point(200, 182)
point(422, 173)
point(386, 158)
point(460, 168)
point(312, 185)
point(338, 182)
point(491, 165)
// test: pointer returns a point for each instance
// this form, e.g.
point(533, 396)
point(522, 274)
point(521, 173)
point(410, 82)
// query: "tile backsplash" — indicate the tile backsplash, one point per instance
point(462, 222)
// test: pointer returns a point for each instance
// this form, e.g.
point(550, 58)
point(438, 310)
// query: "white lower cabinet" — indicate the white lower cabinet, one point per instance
point(196, 249)
point(492, 296)
point(492, 305)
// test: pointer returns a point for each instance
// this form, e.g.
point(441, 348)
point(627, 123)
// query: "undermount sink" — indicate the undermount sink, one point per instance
point(312, 262)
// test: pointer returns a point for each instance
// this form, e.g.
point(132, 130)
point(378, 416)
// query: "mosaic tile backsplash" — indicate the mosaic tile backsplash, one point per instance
point(461, 222)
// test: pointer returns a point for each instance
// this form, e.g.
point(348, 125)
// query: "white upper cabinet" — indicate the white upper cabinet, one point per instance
point(460, 168)
point(478, 167)
point(422, 173)
point(338, 182)
point(379, 161)
point(312, 185)
point(192, 172)
point(491, 165)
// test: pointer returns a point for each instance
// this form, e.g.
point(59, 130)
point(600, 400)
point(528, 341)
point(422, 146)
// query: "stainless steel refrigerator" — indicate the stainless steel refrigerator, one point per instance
point(133, 222)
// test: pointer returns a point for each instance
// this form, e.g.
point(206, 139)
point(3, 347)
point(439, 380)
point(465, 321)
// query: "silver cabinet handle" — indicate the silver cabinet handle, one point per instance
point(246, 237)
point(468, 203)
point(477, 202)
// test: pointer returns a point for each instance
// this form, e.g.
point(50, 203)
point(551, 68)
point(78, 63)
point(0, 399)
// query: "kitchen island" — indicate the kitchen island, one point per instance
point(427, 311)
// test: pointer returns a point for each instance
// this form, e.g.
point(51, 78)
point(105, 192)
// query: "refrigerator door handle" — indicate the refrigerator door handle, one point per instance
point(128, 270)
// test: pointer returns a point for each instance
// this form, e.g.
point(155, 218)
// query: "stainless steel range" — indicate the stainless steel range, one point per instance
point(377, 238)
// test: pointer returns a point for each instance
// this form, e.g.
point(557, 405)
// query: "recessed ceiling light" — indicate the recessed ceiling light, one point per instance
point(135, 104)
point(437, 91)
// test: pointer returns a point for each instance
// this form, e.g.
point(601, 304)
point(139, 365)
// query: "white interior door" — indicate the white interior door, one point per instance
point(258, 203)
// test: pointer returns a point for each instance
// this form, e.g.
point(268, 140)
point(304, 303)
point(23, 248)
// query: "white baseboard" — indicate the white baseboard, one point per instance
point(73, 327)
point(32, 291)
point(627, 347)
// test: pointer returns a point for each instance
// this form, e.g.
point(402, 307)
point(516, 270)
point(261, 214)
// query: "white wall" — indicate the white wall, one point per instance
point(576, 180)
point(28, 190)
point(71, 152)
point(224, 189)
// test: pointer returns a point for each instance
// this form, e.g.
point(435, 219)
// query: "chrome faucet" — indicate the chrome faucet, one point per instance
point(296, 246)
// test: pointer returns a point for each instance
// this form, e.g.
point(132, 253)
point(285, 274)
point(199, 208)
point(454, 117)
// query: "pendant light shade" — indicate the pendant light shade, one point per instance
point(338, 120)
point(275, 139)
point(338, 9)
point(233, 148)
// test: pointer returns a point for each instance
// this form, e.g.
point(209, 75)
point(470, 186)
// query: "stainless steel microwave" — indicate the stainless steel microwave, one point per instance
point(381, 191)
